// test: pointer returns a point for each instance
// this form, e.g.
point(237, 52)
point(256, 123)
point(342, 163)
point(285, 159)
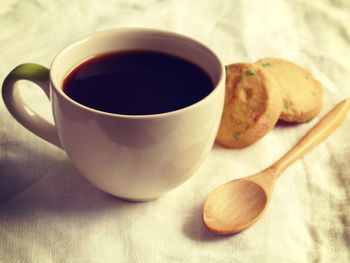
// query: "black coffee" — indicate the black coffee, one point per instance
point(137, 83)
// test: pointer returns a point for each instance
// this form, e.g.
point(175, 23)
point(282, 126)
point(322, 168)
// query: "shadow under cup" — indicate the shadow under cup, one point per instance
point(137, 157)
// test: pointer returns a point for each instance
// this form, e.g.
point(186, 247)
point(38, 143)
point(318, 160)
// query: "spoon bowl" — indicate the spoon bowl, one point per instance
point(245, 196)
point(236, 205)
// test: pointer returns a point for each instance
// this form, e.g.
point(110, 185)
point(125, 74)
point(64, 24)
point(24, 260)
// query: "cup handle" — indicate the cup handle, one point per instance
point(20, 110)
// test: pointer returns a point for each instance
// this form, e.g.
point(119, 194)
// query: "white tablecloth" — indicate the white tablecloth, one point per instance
point(49, 213)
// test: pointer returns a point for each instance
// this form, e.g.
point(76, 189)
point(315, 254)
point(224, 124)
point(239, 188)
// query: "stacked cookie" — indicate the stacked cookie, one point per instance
point(259, 94)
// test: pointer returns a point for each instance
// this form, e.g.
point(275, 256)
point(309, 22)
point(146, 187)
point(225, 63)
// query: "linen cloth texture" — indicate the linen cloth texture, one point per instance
point(49, 213)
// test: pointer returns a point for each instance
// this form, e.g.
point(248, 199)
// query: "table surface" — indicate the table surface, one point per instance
point(49, 213)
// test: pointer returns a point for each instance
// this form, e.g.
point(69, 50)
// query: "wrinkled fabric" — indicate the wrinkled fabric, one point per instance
point(50, 213)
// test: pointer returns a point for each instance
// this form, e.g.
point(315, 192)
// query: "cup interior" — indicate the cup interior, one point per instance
point(134, 39)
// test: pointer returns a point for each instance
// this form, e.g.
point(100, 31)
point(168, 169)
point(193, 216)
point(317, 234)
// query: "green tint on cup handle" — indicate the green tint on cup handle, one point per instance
point(20, 110)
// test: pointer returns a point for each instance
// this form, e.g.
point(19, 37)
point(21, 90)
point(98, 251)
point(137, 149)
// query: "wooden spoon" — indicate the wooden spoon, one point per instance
point(235, 205)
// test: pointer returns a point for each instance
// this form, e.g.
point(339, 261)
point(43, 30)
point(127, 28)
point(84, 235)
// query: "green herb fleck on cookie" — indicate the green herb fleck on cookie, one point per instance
point(290, 117)
point(250, 72)
point(266, 64)
point(235, 136)
point(286, 107)
point(307, 77)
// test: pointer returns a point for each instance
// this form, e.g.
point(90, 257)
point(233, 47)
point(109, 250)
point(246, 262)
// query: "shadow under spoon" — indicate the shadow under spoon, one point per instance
point(237, 204)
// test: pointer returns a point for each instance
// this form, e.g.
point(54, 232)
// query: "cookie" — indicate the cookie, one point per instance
point(252, 105)
point(301, 92)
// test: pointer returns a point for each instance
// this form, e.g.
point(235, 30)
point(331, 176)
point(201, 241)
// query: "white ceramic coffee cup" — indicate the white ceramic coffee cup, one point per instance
point(134, 157)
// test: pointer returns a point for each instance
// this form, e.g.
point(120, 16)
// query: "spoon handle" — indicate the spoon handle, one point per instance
point(316, 135)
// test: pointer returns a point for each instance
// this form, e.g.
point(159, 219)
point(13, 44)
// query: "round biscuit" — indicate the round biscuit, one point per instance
point(252, 105)
point(301, 92)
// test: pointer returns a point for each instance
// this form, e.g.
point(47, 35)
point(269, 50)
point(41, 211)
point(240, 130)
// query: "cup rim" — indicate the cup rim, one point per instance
point(215, 90)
